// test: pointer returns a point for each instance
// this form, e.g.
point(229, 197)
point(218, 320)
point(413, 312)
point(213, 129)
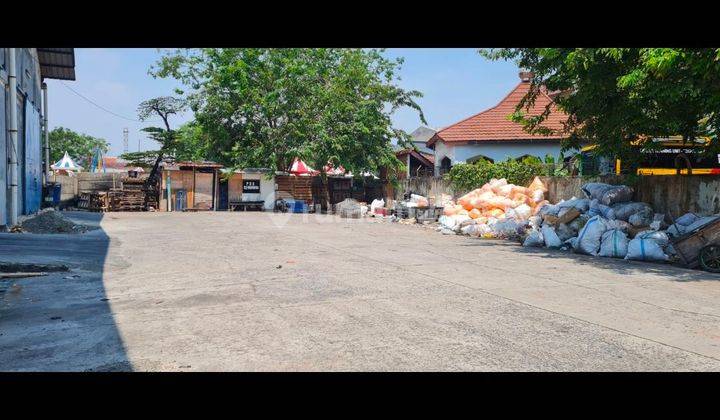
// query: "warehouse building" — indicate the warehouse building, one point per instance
point(23, 134)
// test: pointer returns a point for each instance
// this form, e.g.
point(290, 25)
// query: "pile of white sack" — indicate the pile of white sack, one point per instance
point(604, 223)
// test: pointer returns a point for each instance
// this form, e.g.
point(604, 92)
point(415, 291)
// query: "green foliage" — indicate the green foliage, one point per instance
point(265, 107)
point(79, 146)
point(468, 176)
point(191, 143)
point(144, 159)
point(615, 95)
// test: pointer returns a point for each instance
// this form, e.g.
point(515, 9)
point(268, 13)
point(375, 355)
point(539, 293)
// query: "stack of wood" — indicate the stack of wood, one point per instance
point(94, 201)
point(127, 200)
point(134, 195)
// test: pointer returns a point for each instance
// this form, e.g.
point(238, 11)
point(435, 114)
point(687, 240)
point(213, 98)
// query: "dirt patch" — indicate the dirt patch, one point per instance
point(51, 221)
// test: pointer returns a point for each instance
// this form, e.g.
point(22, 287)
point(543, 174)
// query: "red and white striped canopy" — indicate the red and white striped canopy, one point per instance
point(334, 171)
point(301, 168)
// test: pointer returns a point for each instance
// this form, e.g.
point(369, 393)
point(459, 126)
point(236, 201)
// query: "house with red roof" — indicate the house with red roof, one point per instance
point(419, 160)
point(493, 136)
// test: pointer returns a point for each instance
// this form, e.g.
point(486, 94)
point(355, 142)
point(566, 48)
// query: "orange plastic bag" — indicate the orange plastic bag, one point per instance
point(449, 210)
point(536, 184)
point(474, 213)
point(496, 213)
point(539, 206)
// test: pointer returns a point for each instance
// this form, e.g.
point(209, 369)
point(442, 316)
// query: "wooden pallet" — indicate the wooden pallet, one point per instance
point(93, 201)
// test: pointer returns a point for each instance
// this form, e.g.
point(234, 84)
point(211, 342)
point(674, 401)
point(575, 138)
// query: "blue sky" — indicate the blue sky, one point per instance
point(456, 83)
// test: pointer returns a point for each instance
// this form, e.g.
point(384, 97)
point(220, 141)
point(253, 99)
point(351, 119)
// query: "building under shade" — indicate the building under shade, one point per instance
point(21, 127)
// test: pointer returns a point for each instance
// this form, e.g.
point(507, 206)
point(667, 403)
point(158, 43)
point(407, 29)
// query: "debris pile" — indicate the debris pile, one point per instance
point(495, 210)
point(350, 209)
point(51, 221)
point(604, 223)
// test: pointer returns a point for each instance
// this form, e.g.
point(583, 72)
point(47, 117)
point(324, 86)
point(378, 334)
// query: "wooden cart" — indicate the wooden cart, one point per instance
point(700, 247)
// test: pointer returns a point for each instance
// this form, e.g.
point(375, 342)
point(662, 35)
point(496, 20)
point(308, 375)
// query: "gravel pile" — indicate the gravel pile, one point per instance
point(51, 221)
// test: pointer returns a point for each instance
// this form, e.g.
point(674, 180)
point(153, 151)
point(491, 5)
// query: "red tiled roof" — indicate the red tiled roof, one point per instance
point(493, 124)
point(425, 158)
point(112, 162)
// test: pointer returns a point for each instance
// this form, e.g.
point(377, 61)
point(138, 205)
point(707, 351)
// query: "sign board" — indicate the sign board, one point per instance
point(251, 186)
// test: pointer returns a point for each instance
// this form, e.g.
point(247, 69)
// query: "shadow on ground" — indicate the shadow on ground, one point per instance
point(617, 265)
point(62, 321)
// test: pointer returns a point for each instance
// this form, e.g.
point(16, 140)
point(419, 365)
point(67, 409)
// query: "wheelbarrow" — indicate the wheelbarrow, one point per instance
point(700, 247)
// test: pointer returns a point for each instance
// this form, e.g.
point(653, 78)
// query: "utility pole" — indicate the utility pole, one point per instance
point(139, 140)
point(125, 140)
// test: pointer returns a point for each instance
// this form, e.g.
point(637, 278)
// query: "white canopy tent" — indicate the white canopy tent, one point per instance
point(66, 164)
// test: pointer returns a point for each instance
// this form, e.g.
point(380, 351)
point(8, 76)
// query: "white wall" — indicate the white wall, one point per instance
point(267, 190)
point(497, 151)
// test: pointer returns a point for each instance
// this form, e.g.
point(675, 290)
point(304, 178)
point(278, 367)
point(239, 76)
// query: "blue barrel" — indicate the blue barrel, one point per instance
point(299, 206)
point(57, 190)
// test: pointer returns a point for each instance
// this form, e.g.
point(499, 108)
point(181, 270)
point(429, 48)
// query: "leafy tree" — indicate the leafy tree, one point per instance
point(79, 146)
point(190, 143)
point(266, 107)
point(163, 107)
point(616, 95)
point(145, 159)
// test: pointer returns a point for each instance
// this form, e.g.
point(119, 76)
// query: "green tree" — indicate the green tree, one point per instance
point(191, 142)
point(79, 146)
point(266, 107)
point(616, 95)
point(163, 107)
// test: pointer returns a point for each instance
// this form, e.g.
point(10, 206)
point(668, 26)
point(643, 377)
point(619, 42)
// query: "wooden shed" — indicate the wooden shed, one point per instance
point(298, 187)
point(189, 186)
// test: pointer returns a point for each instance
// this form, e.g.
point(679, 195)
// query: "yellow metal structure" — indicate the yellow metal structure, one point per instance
point(667, 142)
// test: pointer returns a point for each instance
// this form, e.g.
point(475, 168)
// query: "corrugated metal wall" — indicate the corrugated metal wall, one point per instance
point(29, 102)
point(3, 140)
point(33, 161)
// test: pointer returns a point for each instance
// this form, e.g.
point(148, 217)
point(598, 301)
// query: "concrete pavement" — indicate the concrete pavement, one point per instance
point(258, 291)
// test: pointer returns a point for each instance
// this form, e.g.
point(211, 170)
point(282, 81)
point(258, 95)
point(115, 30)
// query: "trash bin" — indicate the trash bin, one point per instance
point(56, 192)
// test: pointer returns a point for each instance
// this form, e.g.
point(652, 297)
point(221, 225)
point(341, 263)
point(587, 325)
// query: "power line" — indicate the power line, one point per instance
point(101, 107)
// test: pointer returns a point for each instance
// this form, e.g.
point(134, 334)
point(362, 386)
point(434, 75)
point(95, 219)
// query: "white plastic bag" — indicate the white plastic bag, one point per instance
point(377, 204)
point(595, 190)
point(641, 218)
point(565, 232)
point(598, 209)
point(550, 237)
point(522, 212)
point(507, 228)
point(589, 237)
point(645, 250)
point(614, 244)
point(581, 204)
point(534, 239)
point(686, 219)
point(538, 196)
point(617, 194)
point(623, 211)
point(660, 237)
point(702, 221)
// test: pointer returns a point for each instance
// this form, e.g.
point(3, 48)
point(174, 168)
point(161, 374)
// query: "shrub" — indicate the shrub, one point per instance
point(468, 176)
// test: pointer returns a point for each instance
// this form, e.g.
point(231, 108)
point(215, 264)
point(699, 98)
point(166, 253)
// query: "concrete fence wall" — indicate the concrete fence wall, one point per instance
point(426, 186)
point(674, 194)
point(72, 186)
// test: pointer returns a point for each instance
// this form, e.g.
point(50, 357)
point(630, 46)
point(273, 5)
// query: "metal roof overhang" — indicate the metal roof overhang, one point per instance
point(57, 63)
